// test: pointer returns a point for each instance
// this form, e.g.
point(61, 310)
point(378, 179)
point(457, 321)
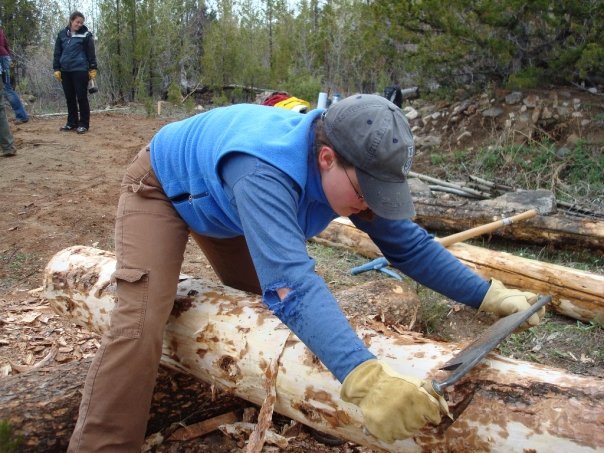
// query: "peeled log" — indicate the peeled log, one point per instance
point(228, 337)
point(554, 229)
point(577, 294)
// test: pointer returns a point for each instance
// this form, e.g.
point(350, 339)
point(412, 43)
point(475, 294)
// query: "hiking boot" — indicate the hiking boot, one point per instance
point(20, 121)
point(67, 128)
point(9, 154)
point(82, 130)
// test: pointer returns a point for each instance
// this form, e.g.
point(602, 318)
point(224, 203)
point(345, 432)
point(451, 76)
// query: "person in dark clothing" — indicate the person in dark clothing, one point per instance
point(74, 65)
point(6, 63)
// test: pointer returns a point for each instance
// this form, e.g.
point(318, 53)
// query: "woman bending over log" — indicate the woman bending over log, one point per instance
point(251, 184)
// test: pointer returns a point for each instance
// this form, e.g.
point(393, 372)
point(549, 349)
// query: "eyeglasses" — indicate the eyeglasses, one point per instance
point(359, 195)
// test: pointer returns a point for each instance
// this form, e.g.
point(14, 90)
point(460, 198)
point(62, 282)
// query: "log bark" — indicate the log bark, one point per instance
point(229, 338)
point(556, 229)
point(577, 294)
point(41, 406)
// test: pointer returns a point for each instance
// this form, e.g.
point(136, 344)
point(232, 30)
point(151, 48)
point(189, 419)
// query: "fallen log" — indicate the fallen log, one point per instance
point(577, 294)
point(228, 338)
point(41, 406)
point(437, 214)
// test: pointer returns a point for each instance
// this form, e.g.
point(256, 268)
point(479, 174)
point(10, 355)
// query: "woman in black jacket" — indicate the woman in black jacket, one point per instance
point(74, 64)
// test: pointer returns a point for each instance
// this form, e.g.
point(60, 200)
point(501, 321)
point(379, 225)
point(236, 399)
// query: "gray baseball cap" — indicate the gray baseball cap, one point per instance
point(373, 134)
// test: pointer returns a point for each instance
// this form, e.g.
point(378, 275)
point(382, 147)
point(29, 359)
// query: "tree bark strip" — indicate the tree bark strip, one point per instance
point(558, 230)
point(228, 338)
point(577, 294)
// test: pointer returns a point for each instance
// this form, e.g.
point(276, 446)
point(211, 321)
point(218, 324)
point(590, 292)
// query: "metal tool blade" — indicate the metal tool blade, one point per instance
point(472, 354)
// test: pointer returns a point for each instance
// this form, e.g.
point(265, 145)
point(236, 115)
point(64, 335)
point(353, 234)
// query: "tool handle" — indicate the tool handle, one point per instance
point(376, 264)
point(437, 388)
point(482, 229)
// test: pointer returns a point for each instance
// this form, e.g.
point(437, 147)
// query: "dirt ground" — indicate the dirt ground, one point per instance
point(61, 189)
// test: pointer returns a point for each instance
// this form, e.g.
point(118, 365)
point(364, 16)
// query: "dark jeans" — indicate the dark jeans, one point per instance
point(75, 87)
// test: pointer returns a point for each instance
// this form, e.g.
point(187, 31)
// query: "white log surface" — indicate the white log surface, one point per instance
point(228, 337)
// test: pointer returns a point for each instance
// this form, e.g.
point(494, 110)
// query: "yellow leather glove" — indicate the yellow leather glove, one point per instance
point(92, 74)
point(57, 75)
point(502, 301)
point(393, 406)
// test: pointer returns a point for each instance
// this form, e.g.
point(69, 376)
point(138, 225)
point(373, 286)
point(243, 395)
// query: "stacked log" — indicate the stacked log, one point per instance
point(558, 230)
point(229, 338)
point(577, 294)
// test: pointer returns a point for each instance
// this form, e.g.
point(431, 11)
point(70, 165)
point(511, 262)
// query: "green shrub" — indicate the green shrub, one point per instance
point(437, 159)
point(525, 79)
point(304, 86)
point(460, 156)
point(174, 95)
point(585, 166)
point(150, 107)
point(220, 100)
point(189, 104)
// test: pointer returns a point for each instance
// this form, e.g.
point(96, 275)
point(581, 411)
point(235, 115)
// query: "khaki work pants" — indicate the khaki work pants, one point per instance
point(150, 240)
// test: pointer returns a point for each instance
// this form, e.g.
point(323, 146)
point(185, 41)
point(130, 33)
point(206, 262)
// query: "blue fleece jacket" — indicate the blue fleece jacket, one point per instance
point(249, 170)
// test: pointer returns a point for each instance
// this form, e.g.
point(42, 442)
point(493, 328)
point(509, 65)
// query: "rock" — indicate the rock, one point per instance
point(554, 98)
point(542, 200)
point(471, 109)
point(513, 98)
point(428, 141)
point(461, 107)
point(536, 115)
point(493, 112)
point(531, 101)
point(410, 113)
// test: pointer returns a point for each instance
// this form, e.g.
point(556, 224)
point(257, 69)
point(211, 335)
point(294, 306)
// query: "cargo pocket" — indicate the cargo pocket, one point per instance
point(128, 317)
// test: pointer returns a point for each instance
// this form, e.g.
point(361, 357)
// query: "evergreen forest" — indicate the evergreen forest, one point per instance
point(154, 49)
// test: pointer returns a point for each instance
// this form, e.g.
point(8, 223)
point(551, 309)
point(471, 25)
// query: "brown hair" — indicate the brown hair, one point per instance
point(75, 15)
point(320, 140)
